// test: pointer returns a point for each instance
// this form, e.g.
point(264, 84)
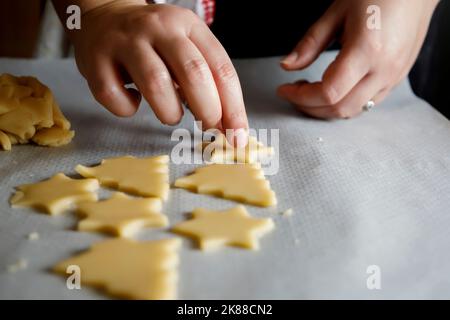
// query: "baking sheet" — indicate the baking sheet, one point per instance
point(374, 190)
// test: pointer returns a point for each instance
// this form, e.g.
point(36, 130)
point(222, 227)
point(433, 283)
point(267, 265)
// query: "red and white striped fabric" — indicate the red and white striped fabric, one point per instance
point(208, 7)
point(205, 9)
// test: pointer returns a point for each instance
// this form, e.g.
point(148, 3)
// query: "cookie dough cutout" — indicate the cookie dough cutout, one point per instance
point(215, 229)
point(55, 195)
point(121, 215)
point(240, 182)
point(148, 177)
point(129, 269)
point(221, 151)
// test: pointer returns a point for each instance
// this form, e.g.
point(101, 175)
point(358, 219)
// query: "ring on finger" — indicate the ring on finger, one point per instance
point(369, 105)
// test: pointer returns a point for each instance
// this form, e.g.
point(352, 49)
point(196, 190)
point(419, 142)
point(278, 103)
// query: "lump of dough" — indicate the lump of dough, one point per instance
point(58, 117)
point(29, 112)
point(7, 101)
point(15, 139)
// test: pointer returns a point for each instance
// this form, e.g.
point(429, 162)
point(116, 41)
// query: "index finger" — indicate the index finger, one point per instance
point(227, 82)
point(342, 75)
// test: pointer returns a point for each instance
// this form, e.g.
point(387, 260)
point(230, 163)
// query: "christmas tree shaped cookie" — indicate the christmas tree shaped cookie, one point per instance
point(129, 269)
point(221, 151)
point(56, 194)
point(148, 177)
point(240, 182)
point(232, 227)
point(121, 215)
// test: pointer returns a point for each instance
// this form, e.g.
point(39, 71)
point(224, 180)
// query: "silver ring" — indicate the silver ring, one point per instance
point(369, 105)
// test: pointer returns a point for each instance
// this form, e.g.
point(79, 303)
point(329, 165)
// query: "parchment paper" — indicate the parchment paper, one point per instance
point(374, 190)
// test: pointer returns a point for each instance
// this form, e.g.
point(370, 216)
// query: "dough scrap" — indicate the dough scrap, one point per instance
point(221, 151)
point(55, 195)
point(5, 142)
point(21, 264)
point(28, 107)
point(121, 215)
point(234, 227)
point(53, 137)
point(240, 182)
point(148, 177)
point(129, 269)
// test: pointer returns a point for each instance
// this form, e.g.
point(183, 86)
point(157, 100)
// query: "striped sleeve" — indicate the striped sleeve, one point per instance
point(205, 9)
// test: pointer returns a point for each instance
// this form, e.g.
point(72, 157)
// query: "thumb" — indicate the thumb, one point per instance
point(315, 41)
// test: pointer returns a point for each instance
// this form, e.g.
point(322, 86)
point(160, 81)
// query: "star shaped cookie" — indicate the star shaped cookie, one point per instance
point(56, 194)
point(121, 215)
point(233, 227)
point(240, 182)
point(129, 269)
point(148, 177)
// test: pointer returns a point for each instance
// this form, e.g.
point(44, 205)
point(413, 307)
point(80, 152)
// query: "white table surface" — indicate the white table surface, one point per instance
point(374, 191)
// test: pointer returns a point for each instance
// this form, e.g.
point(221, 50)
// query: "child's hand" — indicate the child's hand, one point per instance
point(159, 47)
point(370, 63)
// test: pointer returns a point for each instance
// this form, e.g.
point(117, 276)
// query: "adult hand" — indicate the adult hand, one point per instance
point(371, 61)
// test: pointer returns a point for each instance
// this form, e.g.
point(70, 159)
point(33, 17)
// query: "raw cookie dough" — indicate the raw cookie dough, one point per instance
point(129, 269)
point(232, 227)
point(53, 137)
point(5, 143)
point(29, 112)
point(56, 194)
point(240, 182)
point(121, 215)
point(220, 151)
point(148, 177)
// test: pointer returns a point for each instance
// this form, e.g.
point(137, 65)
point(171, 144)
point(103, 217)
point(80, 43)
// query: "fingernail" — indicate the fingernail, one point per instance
point(240, 138)
point(291, 58)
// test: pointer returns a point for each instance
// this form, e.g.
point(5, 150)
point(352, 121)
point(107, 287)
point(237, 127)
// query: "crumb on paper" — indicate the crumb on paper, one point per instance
point(21, 264)
point(33, 236)
point(287, 213)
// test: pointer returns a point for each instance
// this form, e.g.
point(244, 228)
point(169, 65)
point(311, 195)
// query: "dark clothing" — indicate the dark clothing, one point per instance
point(259, 28)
